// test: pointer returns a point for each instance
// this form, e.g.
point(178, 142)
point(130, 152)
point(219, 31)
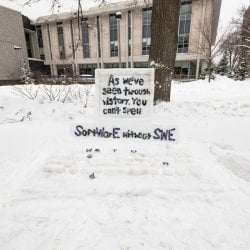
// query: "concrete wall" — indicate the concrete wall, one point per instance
point(11, 34)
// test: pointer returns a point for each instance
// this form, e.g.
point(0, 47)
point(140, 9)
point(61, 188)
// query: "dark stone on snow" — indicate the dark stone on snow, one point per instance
point(92, 176)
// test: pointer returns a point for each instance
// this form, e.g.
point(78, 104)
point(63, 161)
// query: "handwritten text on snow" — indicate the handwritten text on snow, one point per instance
point(125, 94)
point(117, 133)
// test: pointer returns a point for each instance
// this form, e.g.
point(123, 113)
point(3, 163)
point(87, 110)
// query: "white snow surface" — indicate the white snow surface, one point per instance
point(200, 200)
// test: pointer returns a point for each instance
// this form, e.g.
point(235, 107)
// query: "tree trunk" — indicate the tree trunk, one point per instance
point(164, 39)
point(209, 70)
point(230, 61)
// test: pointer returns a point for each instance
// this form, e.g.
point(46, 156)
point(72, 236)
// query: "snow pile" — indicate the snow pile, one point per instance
point(193, 194)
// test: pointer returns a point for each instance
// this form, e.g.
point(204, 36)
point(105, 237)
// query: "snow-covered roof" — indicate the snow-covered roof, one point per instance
point(98, 10)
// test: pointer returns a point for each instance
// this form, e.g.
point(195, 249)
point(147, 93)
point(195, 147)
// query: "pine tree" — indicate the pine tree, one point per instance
point(26, 74)
point(222, 67)
point(208, 72)
point(241, 72)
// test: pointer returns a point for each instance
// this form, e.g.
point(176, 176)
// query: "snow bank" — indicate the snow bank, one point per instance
point(193, 194)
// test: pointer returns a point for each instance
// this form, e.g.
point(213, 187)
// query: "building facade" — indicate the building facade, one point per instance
point(108, 36)
point(18, 46)
point(12, 45)
point(119, 35)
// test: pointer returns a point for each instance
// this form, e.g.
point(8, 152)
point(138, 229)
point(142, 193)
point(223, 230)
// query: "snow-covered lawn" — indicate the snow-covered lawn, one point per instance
point(199, 200)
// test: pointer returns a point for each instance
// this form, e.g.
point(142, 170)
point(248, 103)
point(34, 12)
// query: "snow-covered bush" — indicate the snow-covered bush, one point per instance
point(50, 92)
point(54, 93)
point(208, 73)
point(222, 67)
point(230, 74)
point(241, 71)
point(28, 89)
point(26, 74)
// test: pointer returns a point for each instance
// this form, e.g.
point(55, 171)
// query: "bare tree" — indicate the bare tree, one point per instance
point(242, 24)
point(209, 48)
point(165, 20)
point(230, 47)
point(246, 37)
point(237, 42)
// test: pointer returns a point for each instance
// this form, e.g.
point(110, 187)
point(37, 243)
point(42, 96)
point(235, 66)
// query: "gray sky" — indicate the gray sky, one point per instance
point(228, 9)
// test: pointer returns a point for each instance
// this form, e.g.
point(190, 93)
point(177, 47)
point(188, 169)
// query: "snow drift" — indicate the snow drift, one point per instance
point(192, 194)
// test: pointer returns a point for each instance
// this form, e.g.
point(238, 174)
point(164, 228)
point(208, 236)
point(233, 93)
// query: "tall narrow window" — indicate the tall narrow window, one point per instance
point(40, 42)
point(60, 40)
point(113, 35)
point(28, 44)
point(98, 35)
point(184, 26)
point(129, 33)
point(85, 38)
point(146, 31)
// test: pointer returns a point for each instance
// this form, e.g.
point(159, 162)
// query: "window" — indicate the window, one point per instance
point(98, 36)
point(140, 64)
point(60, 40)
point(40, 42)
point(129, 33)
point(146, 31)
point(113, 35)
point(85, 38)
point(87, 69)
point(28, 44)
point(64, 70)
point(181, 69)
point(183, 43)
point(185, 70)
point(113, 65)
point(184, 26)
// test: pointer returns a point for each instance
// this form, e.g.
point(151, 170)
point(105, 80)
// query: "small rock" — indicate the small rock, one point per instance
point(92, 176)
point(89, 156)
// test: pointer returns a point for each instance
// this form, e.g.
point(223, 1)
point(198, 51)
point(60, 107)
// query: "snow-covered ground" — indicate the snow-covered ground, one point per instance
point(193, 194)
